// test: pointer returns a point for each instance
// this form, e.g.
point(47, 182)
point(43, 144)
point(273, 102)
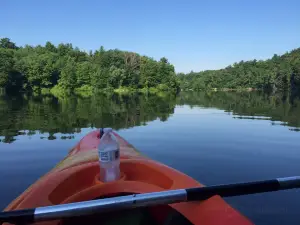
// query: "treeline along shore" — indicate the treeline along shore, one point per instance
point(63, 69)
point(280, 73)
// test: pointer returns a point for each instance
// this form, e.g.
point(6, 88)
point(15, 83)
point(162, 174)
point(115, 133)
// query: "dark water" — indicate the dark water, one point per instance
point(214, 137)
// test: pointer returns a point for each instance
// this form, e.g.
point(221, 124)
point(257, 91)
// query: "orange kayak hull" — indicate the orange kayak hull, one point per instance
point(76, 179)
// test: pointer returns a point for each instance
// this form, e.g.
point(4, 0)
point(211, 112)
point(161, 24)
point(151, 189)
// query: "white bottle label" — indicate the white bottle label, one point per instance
point(109, 156)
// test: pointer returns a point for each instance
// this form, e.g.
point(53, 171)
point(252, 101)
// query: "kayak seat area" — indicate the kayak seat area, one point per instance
point(138, 176)
point(81, 183)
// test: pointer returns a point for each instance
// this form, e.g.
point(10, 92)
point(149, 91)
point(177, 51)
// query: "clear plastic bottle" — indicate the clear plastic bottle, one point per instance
point(109, 156)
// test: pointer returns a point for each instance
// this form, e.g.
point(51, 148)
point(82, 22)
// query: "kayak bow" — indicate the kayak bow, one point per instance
point(145, 182)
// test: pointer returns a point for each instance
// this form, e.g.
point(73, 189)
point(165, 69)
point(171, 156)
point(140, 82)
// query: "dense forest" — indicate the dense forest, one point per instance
point(277, 74)
point(65, 69)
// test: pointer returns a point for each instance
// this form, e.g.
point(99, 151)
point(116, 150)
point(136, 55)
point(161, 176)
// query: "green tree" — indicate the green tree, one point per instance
point(40, 71)
point(83, 74)
point(6, 65)
point(99, 78)
point(148, 70)
point(132, 69)
point(116, 76)
point(64, 49)
point(43, 67)
point(68, 75)
point(50, 47)
point(6, 43)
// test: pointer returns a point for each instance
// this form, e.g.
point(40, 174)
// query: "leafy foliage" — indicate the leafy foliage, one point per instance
point(278, 73)
point(64, 68)
point(6, 65)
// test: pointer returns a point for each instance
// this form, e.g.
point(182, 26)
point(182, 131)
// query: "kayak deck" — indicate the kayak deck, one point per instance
point(76, 179)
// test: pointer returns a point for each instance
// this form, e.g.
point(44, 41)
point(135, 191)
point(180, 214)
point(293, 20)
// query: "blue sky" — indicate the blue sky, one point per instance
point(192, 34)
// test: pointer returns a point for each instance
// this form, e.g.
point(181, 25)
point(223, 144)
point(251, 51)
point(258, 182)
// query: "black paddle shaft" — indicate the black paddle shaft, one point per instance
point(227, 190)
point(146, 199)
point(23, 216)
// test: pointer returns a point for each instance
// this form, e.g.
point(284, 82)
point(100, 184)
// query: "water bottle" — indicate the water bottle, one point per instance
point(109, 156)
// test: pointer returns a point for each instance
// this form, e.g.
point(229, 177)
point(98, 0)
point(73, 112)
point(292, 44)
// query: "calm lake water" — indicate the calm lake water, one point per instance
point(216, 138)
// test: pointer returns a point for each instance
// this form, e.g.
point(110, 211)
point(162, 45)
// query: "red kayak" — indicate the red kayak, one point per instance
point(76, 179)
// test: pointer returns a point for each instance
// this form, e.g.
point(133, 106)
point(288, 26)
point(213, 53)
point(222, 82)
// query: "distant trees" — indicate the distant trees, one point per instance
point(6, 43)
point(69, 69)
point(274, 74)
